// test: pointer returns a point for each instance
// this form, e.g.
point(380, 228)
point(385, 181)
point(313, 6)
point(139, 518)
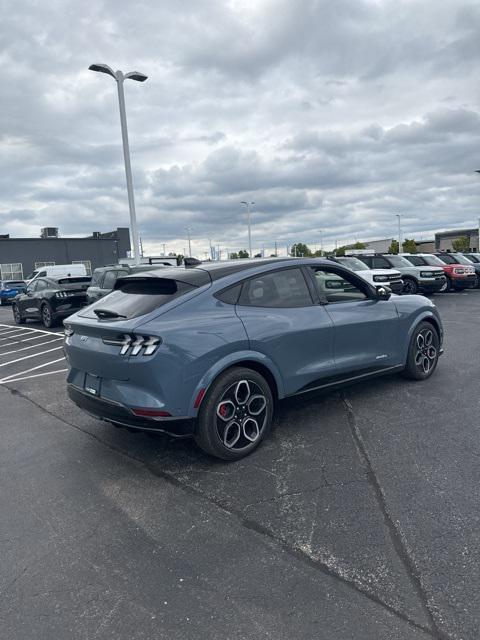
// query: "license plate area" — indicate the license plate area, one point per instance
point(92, 384)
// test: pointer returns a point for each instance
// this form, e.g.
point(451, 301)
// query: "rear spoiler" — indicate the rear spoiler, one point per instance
point(193, 277)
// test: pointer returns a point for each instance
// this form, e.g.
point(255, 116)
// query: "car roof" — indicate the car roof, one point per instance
point(206, 272)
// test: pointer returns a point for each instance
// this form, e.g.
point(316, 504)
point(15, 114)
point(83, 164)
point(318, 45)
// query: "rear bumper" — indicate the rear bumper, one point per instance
point(110, 411)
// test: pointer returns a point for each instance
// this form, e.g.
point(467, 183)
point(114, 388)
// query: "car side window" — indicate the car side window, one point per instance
point(333, 287)
point(42, 274)
point(283, 289)
point(31, 287)
point(380, 263)
point(41, 285)
point(109, 280)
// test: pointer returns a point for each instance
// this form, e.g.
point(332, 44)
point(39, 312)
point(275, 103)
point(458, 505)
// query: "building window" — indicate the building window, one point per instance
point(12, 271)
point(39, 265)
point(87, 263)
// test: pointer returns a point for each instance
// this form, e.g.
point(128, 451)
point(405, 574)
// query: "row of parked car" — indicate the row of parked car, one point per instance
point(53, 293)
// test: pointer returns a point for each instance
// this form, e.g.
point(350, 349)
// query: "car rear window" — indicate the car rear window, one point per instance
point(137, 297)
point(79, 280)
point(96, 278)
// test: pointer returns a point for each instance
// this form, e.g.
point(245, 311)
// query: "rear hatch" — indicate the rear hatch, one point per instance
point(73, 290)
point(100, 337)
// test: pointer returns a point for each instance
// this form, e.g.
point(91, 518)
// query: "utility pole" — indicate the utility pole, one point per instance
point(119, 77)
point(276, 252)
point(399, 216)
point(189, 241)
point(247, 204)
point(164, 249)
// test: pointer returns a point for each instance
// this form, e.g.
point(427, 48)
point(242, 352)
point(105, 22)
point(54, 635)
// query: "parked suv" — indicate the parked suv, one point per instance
point(461, 273)
point(104, 278)
point(415, 279)
point(456, 279)
point(389, 277)
point(206, 351)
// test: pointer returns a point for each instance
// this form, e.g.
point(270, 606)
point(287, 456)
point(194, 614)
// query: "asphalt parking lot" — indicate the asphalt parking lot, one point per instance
point(358, 518)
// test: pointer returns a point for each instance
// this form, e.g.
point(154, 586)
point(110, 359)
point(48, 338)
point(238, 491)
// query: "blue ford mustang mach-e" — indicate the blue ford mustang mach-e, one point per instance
point(207, 350)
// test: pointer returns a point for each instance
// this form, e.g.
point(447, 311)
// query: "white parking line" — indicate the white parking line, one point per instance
point(14, 335)
point(40, 366)
point(9, 326)
point(9, 335)
point(31, 355)
point(30, 346)
point(35, 375)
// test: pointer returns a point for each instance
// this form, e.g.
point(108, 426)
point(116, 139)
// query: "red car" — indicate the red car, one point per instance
point(459, 271)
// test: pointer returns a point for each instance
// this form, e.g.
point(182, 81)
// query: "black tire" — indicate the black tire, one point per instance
point(410, 286)
point(423, 352)
point(17, 316)
point(46, 315)
point(445, 287)
point(228, 437)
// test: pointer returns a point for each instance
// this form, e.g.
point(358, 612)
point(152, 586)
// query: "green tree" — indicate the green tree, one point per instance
point(393, 248)
point(409, 246)
point(179, 258)
point(340, 251)
point(358, 245)
point(243, 254)
point(233, 256)
point(461, 244)
point(299, 249)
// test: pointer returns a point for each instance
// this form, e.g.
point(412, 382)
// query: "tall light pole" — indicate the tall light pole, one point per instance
point(119, 77)
point(321, 242)
point(189, 241)
point(399, 216)
point(247, 204)
point(478, 243)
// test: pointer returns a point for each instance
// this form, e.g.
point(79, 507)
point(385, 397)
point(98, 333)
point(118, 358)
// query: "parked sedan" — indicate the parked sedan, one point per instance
point(50, 299)
point(9, 289)
point(207, 351)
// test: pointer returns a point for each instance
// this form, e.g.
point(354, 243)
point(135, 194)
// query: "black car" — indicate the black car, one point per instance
point(50, 299)
point(104, 278)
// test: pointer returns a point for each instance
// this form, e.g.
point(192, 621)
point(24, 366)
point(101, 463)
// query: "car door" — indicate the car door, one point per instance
point(283, 322)
point(27, 301)
point(365, 327)
point(38, 295)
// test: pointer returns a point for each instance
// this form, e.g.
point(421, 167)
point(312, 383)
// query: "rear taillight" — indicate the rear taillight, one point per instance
point(150, 413)
point(60, 294)
point(135, 344)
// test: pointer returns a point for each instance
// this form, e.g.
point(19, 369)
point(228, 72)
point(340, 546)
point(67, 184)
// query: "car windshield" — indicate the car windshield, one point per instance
point(417, 261)
point(33, 274)
point(474, 257)
point(354, 264)
point(398, 261)
point(433, 261)
point(463, 259)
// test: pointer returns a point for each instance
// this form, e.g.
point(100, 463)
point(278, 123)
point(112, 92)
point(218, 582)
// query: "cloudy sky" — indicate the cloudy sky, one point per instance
point(332, 115)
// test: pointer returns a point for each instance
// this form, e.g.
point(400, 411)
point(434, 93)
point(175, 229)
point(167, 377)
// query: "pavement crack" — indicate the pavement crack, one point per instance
point(396, 535)
point(250, 524)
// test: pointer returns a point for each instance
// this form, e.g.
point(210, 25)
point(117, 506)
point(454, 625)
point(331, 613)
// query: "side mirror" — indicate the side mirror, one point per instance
point(383, 293)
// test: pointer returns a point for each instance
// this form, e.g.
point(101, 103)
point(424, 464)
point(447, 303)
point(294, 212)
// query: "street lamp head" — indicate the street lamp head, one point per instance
point(136, 75)
point(102, 68)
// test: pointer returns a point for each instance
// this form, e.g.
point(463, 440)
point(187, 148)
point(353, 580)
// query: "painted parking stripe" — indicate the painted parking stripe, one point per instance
point(40, 366)
point(30, 346)
point(14, 335)
point(30, 355)
point(35, 375)
point(9, 326)
point(6, 335)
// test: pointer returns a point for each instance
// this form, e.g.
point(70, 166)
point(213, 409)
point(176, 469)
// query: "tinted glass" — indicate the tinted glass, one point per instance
point(447, 259)
point(109, 280)
point(96, 278)
point(353, 263)
point(415, 260)
point(473, 257)
point(433, 261)
point(399, 261)
point(41, 285)
point(230, 295)
point(462, 259)
point(380, 263)
point(32, 287)
point(286, 288)
point(335, 288)
point(138, 297)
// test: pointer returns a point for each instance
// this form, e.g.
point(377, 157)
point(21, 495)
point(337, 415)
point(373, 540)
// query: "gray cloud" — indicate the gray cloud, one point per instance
point(330, 116)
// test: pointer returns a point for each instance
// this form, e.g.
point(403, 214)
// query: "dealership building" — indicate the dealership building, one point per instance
point(444, 239)
point(20, 256)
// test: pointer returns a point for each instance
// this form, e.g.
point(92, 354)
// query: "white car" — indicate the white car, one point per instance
point(376, 277)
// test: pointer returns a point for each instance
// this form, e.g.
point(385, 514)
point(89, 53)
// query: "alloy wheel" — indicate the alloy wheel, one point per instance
point(16, 313)
point(241, 415)
point(426, 352)
point(47, 316)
